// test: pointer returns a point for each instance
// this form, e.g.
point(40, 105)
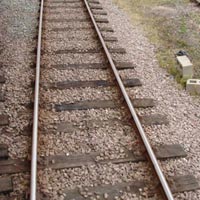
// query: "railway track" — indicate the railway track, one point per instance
point(88, 141)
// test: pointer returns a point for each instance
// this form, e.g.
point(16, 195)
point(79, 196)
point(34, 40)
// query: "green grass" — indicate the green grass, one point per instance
point(183, 26)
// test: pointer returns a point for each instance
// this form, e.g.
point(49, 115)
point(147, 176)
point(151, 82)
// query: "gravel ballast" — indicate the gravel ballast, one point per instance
point(18, 21)
point(181, 109)
point(90, 176)
point(111, 141)
point(18, 28)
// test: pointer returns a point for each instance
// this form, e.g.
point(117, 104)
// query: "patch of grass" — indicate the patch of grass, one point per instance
point(183, 27)
point(171, 25)
point(183, 82)
point(181, 43)
point(173, 70)
point(177, 75)
point(165, 59)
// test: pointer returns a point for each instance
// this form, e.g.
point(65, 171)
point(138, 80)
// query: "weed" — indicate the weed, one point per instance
point(173, 70)
point(183, 26)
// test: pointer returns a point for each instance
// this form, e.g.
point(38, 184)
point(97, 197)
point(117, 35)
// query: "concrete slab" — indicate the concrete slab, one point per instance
point(184, 61)
point(186, 66)
point(193, 86)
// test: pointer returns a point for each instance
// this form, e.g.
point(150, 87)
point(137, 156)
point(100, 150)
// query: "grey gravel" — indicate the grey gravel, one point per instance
point(18, 21)
point(69, 35)
point(181, 109)
point(58, 96)
point(62, 59)
point(62, 15)
point(55, 75)
point(64, 45)
point(89, 176)
point(77, 116)
point(110, 140)
point(53, 25)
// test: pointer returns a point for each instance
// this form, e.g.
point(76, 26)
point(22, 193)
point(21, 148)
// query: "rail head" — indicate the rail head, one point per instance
point(157, 168)
point(33, 183)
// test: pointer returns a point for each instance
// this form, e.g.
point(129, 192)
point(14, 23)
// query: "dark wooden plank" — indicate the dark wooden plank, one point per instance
point(117, 50)
point(183, 183)
point(2, 79)
point(119, 66)
point(53, 12)
point(101, 20)
point(85, 105)
point(14, 166)
point(3, 151)
point(99, 12)
point(92, 84)
point(96, 7)
point(6, 185)
point(132, 82)
point(124, 65)
point(4, 120)
point(102, 104)
point(106, 29)
point(78, 4)
point(68, 20)
point(70, 28)
point(91, 50)
point(64, 6)
point(154, 119)
point(110, 39)
point(63, 2)
point(81, 84)
point(111, 190)
point(143, 103)
point(170, 151)
point(79, 160)
point(79, 51)
point(93, 2)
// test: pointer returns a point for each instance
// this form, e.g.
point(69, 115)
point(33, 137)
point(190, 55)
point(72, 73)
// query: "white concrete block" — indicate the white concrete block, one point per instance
point(186, 66)
point(193, 86)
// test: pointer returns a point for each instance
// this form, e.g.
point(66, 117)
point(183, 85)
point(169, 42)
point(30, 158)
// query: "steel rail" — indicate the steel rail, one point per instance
point(33, 185)
point(143, 136)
